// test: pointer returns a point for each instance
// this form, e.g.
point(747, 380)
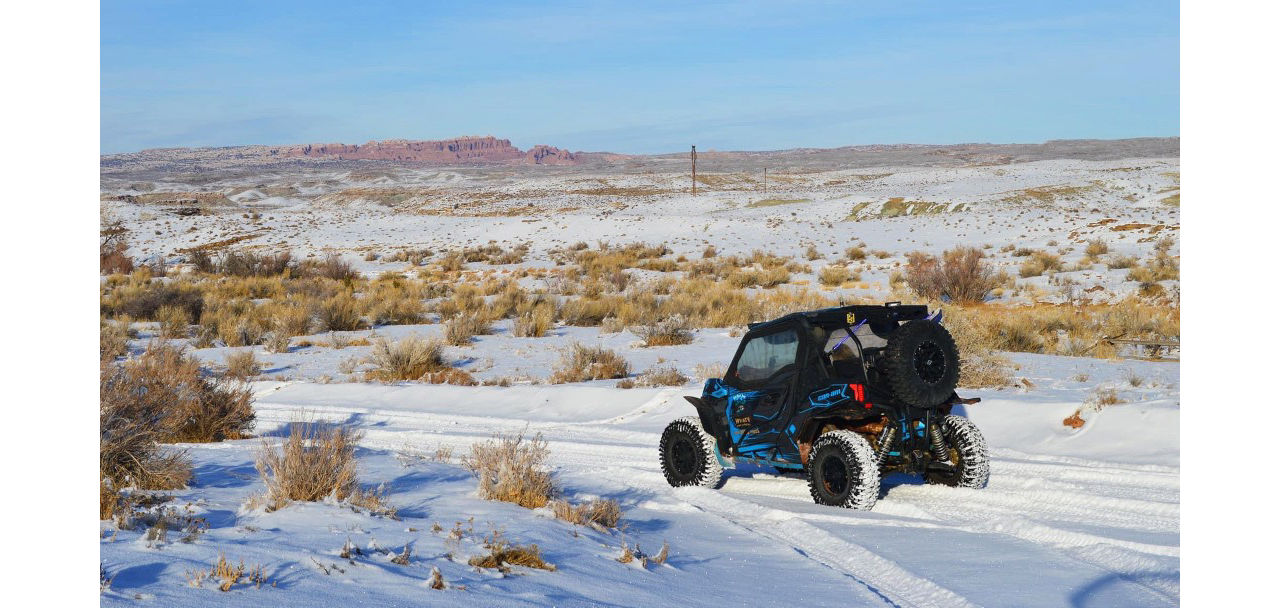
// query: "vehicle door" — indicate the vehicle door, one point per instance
point(762, 377)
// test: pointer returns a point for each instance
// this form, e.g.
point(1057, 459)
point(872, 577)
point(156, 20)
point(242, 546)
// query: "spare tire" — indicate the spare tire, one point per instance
point(922, 363)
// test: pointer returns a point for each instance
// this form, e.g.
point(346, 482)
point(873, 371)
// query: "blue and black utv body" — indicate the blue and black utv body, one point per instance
point(842, 394)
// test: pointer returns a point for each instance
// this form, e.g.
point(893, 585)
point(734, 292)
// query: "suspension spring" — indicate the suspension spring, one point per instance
point(937, 443)
point(887, 439)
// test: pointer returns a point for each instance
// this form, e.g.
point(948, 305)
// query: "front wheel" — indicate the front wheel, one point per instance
point(967, 451)
point(843, 471)
point(688, 455)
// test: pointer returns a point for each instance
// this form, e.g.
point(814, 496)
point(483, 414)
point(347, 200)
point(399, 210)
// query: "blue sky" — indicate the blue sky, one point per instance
point(636, 77)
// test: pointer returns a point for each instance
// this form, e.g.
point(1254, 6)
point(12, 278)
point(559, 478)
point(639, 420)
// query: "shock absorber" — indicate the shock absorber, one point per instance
point(887, 439)
point(937, 443)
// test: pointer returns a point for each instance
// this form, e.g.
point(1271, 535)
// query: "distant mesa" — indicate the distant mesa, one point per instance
point(462, 150)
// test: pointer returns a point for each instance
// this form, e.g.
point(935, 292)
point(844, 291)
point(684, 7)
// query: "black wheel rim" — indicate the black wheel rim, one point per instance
point(835, 476)
point(930, 362)
point(683, 458)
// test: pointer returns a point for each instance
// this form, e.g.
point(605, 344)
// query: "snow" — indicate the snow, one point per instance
point(1071, 517)
point(1085, 518)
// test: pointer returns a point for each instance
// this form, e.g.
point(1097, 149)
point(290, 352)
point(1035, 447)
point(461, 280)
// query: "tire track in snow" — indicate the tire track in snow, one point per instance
point(882, 577)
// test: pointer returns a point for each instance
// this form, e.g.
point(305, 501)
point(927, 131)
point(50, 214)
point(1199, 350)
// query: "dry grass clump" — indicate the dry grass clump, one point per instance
point(340, 313)
point(581, 362)
point(1096, 247)
point(833, 276)
point(980, 365)
point(1161, 267)
point(242, 364)
point(600, 512)
point(459, 330)
point(512, 469)
point(534, 319)
point(417, 257)
point(314, 463)
point(1039, 263)
point(662, 376)
point(855, 253)
point(409, 358)
point(165, 387)
point(671, 331)
point(764, 277)
point(1068, 330)
point(332, 267)
point(710, 370)
point(962, 275)
point(173, 321)
point(1118, 261)
point(503, 554)
point(141, 297)
point(113, 339)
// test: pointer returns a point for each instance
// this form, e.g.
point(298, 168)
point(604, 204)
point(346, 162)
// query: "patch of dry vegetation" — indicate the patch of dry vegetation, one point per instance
point(512, 469)
point(580, 363)
point(961, 276)
point(504, 554)
point(600, 512)
point(314, 463)
point(671, 331)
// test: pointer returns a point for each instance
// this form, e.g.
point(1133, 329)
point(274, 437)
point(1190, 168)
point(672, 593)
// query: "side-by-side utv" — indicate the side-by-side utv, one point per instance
point(843, 395)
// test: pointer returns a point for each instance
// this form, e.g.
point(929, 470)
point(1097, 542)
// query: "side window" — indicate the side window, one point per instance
point(766, 355)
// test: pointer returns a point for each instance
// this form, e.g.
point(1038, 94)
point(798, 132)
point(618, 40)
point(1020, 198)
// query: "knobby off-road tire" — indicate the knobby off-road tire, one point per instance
point(968, 451)
point(922, 363)
point(843, 471)
point(688, 455)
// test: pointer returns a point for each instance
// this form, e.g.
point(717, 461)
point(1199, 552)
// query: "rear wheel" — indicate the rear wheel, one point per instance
point(968, 454)
point(843, 471)
point(688, 455)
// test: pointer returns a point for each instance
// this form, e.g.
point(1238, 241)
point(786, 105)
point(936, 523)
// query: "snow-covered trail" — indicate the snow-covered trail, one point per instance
point(1049, 530)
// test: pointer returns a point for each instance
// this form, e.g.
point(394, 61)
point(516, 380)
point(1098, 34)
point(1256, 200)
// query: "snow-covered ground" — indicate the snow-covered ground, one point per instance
point(1071, 517)
point(1083, 517)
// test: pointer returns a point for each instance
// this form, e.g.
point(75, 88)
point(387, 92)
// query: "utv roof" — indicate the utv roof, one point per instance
point(839, 316)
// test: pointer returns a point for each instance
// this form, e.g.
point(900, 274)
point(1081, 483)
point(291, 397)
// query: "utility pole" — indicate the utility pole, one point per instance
point(693, 162)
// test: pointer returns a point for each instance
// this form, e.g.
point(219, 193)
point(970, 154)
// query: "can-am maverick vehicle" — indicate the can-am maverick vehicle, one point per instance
point(843, 395)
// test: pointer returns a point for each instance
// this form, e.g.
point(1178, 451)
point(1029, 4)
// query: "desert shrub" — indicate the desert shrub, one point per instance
point(250, 264)
point(242, 364)
point(143, 298)
point(580, 363)
point(709, 370)
point(833, 276)
point(602, 512)
point(962, 275)
point(113, 339)
point(1096, 247)
point(332, 267)
point(671, 331)
point(131, 429)
point(534, 319)
point(1118, 261)
point(409, 358)
point(112, 244)
point(173, 321)
point(766, 277)
point(855, 253)
point(1161, 267)
point(459, 330)
point(340, 313)
point(166, 386)
point(512, 469)
point(662, 376)
point(390, 306)
point(1039, 263)
point(314, 462)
